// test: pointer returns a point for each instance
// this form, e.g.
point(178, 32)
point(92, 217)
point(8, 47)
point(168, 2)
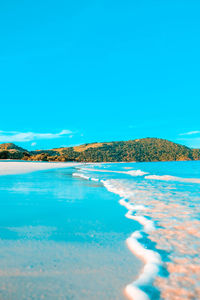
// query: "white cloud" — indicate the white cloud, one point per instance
point(33, 144)
point(190, 132)
point(15, 136)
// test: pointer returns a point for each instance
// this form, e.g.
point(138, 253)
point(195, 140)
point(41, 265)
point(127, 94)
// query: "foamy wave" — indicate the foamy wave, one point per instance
point(136, 173)
point(119, 190)
point(146, 201)
point(94, 179)
point(81, 175)
point(131, 172)
point(152, 259)
point(131, 206)
point(134, 292)
point(152, 266)
point(85, 177)
point(147, 224)
point(173, 178)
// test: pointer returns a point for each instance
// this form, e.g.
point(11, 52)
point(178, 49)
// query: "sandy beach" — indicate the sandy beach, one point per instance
point(20, 167)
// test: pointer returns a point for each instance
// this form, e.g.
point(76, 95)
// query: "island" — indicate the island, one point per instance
point(138, 150)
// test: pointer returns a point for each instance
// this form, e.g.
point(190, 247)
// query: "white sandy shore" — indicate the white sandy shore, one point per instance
point(17, 167)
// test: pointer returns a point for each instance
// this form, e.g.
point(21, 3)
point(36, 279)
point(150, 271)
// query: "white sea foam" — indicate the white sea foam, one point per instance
point(152, 265)
point(152, 259)
point(81, 175)
point(131, 172)
point(136, 173)
point(146, 201)
point(131, 206)
point(147, 224)
point(172, 178)
point(94, 179)
point(133, 292)
point(117, 189)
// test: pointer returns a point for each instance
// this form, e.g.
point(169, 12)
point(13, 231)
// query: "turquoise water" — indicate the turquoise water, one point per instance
point(64, 234)
point(62, 238)
point(164, 198)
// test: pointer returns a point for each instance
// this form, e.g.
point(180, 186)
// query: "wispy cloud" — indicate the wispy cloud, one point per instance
point(16, 136)
point(190, 132)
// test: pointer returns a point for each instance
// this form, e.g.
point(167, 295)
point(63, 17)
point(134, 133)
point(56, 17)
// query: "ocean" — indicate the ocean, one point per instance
point(101, 231)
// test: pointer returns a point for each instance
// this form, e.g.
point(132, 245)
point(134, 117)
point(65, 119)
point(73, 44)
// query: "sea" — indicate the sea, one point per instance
point(101, 231)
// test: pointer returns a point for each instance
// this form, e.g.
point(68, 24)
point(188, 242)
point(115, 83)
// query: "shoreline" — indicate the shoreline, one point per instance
point(21, 167)
point(119, 252)
point(151, 260)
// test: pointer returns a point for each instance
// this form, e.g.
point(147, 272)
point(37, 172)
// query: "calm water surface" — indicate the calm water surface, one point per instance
point(62, 238)
point(64, 234)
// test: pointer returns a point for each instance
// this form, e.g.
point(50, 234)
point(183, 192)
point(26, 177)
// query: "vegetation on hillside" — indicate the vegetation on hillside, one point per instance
point(12, 151)
point(148, 149)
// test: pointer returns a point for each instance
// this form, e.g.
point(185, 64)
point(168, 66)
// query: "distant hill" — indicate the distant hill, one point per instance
point(11, 146)
point(12, 151)
point(140, 150)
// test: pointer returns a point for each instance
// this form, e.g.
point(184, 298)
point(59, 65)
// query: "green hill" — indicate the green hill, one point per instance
point(140, 150)
point(148, 149)
point(12, 151)
point(11, 146)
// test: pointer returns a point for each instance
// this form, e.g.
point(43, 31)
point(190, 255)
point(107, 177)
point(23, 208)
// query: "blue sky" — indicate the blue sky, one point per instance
point(75, 72)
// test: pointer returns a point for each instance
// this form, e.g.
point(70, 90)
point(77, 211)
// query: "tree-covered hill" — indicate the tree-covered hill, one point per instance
point(11, 146)
point(12, 151)
point(141, 150)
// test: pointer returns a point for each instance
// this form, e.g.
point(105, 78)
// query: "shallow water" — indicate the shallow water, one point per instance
point(163, 197)
point(62, 237)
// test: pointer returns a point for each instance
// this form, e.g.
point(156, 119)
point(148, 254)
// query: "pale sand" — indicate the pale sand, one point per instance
point(18, 167)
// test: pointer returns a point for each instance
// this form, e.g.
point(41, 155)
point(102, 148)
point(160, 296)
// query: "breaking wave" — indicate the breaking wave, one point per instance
point(167, 207)
point(151, 258)
point(173, 178)
point(131, 172)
